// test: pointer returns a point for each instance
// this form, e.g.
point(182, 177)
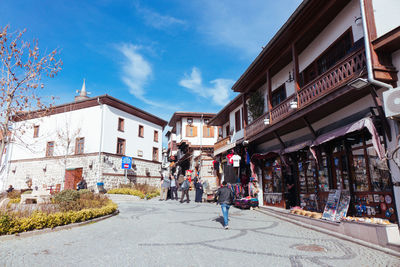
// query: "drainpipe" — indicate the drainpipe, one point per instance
point(394, 171)
point(101, 137)
point(371, 78)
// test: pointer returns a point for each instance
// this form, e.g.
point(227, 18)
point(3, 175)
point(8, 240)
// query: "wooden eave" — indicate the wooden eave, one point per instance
point(91, 102)
point(223, 115)
point(303, 26)
point(389, 42)
point(181, 114)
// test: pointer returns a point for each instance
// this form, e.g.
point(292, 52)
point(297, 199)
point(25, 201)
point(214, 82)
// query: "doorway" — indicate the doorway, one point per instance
point(72, 178)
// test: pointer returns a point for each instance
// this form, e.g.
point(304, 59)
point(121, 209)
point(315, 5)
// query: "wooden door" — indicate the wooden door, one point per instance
point(72, 178)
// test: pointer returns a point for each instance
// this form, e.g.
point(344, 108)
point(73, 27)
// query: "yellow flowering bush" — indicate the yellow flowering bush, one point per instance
point(11, 224)
point(134, 192)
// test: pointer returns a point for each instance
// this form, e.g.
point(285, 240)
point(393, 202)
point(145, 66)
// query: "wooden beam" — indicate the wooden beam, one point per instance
point(310, 127)
point(244, 115)
point(279, 139)
point(381, 113)
point(296, 75)
point(269, 90)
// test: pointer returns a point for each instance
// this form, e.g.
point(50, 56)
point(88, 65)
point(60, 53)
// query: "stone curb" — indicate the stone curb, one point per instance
point(341, 236)
point(55, 229)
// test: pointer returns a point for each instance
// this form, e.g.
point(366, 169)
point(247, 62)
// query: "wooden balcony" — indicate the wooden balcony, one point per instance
point(221, 143)
point(339, 75)
point(283, 109)
point(257, 125)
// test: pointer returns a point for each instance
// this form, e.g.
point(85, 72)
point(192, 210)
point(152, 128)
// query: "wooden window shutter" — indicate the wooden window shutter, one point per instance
point(194, 131)
point(211, 131)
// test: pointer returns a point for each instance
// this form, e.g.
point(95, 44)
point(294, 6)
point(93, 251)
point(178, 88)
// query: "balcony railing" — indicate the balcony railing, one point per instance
point(283, 109)
point(222, 142)
point(337, 76)
point(258, 125)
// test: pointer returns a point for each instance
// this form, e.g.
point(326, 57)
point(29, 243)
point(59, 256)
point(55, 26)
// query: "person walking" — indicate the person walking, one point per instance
point(174, 188)
point(165, 184)
point(199, 190)
point(224, 197)
point(185, 190)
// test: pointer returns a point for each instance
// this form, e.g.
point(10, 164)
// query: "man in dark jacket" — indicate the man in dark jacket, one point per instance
point(225, 197)
point(185, 190)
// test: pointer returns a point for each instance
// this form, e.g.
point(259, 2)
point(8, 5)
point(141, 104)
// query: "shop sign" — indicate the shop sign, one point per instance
point(336, 206)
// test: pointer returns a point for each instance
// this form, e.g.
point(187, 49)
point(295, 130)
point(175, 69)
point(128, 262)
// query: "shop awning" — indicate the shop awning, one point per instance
point(356, 126)
point(297, 147)
point(224, 148)
point(268, 155)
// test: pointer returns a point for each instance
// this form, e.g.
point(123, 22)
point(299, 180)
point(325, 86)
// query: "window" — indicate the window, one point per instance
point(50, 149)
point(79, 145)
point(140, 153)
point(120, 146)
point(191, 131)
point(227, 130)
point(340, 48)
point(155, 154)
point(278, 95)
point(141, 131)
point(35, 131)
point(121, 123)
point(237, 121)
point(208, 131)
point(155, 136)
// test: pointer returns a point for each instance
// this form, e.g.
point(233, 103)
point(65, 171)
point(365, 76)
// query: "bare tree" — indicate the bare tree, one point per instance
point(67, 135)
point(22, 67)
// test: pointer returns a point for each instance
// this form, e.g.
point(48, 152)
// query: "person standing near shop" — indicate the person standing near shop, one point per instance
point(165, 184)
point(174, 188)
point(199, 190)
point(224, 197)
point(185, 190)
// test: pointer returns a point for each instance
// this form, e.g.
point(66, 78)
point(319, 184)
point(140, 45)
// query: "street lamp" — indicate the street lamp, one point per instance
point(358, 83)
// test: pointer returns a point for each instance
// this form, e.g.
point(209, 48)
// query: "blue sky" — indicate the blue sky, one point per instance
point(161, 56)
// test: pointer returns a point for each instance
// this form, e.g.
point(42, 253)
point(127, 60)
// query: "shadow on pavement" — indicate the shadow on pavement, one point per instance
point(220, 219)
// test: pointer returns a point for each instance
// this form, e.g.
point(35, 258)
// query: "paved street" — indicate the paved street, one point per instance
point(155, 233)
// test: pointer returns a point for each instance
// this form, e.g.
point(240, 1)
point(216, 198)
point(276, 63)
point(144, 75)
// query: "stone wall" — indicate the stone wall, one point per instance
point(50, 171)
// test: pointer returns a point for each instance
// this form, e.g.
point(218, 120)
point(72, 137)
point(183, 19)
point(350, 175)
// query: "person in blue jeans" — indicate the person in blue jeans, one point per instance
point(225, 197)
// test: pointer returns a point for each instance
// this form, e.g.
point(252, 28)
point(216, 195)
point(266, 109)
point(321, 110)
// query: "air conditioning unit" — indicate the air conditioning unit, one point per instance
point(391, 101)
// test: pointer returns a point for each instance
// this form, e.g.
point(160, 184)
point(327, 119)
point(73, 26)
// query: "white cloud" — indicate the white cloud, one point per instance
point(219, 92)
point(156, 20)
point(136, 72)
point(243, 25)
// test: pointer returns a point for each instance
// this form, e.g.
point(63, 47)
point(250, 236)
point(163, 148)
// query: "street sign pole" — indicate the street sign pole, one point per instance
point(126, 174)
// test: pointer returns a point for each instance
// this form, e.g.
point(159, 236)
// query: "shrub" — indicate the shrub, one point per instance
point(14, 194)
point(27, 192)
point(11, 223)
point(140, 190)
point(68, 195)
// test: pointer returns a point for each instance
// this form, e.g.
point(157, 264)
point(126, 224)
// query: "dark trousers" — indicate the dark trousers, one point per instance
point(174, 193)
point(185, 192)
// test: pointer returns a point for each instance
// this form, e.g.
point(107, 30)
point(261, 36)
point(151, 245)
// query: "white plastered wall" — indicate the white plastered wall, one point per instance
point(386, 13)
point(344, 20)
point(199, 139)
point(134, 143)
point(236, 134)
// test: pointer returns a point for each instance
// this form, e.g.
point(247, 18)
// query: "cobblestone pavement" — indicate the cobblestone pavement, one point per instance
point(168, 233)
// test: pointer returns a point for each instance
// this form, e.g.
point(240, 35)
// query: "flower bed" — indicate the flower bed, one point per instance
point(142, 191)
point(68, 206)
point(11, 223)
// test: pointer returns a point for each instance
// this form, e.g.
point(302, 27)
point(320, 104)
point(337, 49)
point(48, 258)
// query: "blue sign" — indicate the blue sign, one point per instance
point(126, 163)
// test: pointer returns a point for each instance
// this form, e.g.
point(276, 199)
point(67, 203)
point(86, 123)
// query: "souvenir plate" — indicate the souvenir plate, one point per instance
point(388, 199)
point(383, 206)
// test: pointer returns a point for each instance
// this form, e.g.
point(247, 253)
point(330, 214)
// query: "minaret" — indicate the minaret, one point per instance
point(83, 94)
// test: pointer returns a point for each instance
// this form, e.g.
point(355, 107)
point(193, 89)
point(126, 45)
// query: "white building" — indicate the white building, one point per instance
point(191, 142)
point(86, 138)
